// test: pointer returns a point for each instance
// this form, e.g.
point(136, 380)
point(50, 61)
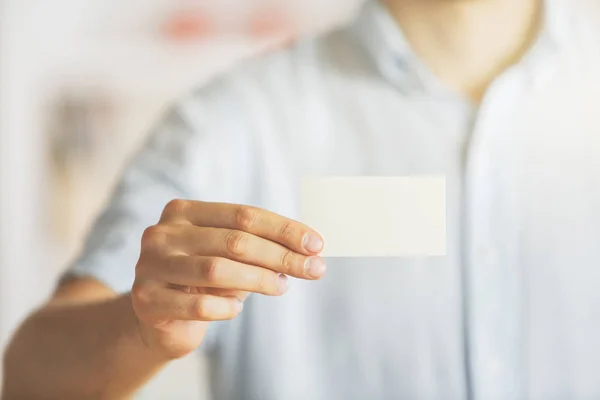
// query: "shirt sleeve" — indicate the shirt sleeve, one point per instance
point(197, 152)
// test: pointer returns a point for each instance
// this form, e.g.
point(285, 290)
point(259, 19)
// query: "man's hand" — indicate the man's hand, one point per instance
point(201, 260)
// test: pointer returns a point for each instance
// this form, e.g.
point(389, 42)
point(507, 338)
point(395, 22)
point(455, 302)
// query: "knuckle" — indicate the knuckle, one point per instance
point(236, 243)
point(246, 217)
point(287, 261)
point(141, 267)
point(200, 308)
point(141, 294)
point(210, 269)
point(287, 231)
point(175, 207)
point(154, 236)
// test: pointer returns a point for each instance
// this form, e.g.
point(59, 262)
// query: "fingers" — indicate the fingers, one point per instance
point(224, 293)
point(154, 303)
point(287, 232)
point(250, 249)
point(242, 296)
point(222, 273)
point(213, 291)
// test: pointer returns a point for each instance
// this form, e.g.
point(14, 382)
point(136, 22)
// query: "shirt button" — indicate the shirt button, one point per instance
point(402, 64)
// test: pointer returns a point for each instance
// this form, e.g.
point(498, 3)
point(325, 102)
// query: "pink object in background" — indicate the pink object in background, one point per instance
point(190, 25)
point(269, 21)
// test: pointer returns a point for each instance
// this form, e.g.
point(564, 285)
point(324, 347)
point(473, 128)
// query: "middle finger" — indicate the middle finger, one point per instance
point(251, 249)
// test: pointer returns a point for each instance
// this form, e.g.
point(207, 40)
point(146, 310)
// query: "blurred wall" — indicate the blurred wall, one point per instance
point(81, 82)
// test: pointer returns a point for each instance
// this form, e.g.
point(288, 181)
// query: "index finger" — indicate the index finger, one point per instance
point(266, 224)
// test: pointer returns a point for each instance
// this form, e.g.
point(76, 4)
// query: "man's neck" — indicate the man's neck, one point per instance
point(468, 43)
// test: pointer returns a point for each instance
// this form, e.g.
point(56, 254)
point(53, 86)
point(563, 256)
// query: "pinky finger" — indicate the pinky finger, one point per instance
point(166, 304)
point(241, 295)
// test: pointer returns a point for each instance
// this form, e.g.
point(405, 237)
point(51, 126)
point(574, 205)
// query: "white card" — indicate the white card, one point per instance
point(377, 216)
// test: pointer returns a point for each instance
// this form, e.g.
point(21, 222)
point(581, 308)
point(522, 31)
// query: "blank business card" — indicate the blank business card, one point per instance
point(377, 216)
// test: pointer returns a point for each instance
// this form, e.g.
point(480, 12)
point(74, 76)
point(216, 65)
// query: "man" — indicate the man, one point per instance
point(494, 94)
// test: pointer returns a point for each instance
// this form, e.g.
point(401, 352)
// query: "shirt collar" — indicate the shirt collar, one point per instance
point(383, 38)
point(540, 63)
point(380, 34)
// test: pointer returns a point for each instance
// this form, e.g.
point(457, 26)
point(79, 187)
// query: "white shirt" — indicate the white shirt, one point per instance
point(512, 311)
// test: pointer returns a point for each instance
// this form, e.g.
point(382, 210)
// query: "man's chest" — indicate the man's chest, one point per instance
point(523, 251)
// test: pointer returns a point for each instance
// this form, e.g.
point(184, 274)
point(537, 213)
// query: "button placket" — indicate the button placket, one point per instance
point(493, 305)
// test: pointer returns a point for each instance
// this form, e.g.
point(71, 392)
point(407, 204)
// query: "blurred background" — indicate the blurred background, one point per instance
point(81, 83)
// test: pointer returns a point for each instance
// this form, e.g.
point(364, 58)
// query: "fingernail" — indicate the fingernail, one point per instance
point(312, 243)
point(315, 267)
point(283, 283)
